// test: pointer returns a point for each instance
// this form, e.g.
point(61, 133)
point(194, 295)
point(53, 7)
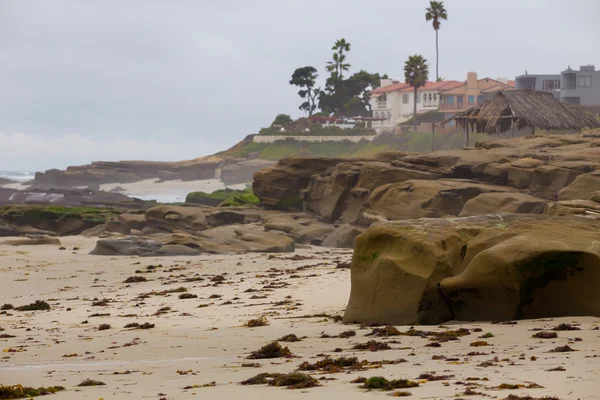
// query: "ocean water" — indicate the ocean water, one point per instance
point(19, 176)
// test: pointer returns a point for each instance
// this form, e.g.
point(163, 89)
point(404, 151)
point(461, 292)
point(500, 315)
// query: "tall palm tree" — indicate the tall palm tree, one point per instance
point(436, 13)
point(339, 64)
point(416, 73)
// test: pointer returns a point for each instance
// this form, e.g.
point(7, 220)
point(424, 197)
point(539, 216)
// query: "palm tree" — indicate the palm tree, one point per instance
point(338, 65)
point(416, 73)
point(436, 13)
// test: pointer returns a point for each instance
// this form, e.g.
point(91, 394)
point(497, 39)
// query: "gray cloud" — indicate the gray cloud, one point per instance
point(200, 75)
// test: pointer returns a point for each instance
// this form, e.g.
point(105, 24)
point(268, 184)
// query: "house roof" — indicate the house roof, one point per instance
point(527, 108)
point(443, 85)
point(391, 88)
point(497, 85)
point(405, 87)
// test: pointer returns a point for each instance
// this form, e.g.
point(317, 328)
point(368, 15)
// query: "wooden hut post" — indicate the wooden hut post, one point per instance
point(432, 136)
point(532, 130)
point(512, 126)
point(467, 133)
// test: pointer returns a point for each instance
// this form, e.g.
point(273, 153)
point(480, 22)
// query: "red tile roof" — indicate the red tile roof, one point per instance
point(404, 87)
point(391, 88)
point(443, 85)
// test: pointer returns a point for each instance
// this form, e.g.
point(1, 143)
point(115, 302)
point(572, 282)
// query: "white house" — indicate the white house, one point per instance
point(392, 103)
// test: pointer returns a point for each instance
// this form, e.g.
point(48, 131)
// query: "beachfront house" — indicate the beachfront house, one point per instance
point(575, 87)
point(392, 103)
point(470, 93)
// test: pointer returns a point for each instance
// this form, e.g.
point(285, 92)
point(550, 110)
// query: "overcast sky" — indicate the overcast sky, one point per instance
point(163, 80)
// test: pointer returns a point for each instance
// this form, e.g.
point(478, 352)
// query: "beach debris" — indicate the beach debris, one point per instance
point(38, 305)
point(253, 323)
point(184, 296)
point(135, 279)
point(545, 335)
point(432, 377)
point(372, 345)
point(210, 384)
point(562, 349)
point(381, 383)
point(293, 380)
point(271, 350)
point(22, 392)
point(91, 382)
point(566, 327)
point(290, 338)
point(479, 343)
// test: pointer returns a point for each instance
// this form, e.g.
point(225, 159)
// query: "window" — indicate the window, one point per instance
point(450, 100)
point(418, 99)
point(429, 96)
point(480, 99)
point(424, 97)
point(585, 81)
point(471, 99)
point(389, 116)
point(435, 97)
point(405, 99)
point(550, 84)
point(381, 101)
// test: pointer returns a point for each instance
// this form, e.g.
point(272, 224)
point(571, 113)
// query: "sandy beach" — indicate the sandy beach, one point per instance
point(203, 339)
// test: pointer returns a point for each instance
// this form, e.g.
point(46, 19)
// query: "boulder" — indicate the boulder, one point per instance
point(32, 242)
point(547, 181)
point(497, 268)
point(178, 217)
point(133, 221)
point(132, 246)
point(342, 237)
point(540, 268)
point(583, 187)
point(418, 198)
point(279, 186)
point(396, 269)
point(572, 207)
point(108, 227)
point(503, 203)
point(224, 217)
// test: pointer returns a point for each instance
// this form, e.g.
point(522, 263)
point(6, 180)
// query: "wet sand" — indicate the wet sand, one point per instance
point(210, 343)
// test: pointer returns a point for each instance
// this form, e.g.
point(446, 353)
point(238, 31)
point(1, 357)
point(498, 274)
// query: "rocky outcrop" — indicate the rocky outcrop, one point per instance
point(31, 242)
point(497, 268)
point(232, 170)
point(223, 240)
point(279, 186)
point(342, 237)
point(393, 186)
point(70, 197)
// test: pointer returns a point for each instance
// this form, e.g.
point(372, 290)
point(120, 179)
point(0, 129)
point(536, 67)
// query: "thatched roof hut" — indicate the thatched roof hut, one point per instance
point(518, 109)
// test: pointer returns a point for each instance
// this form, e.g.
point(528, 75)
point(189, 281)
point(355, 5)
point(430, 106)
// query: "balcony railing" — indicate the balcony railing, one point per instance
point(456, 106)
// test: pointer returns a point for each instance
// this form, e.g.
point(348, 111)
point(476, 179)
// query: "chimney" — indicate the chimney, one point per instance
point(385, 82)
point(472, 80)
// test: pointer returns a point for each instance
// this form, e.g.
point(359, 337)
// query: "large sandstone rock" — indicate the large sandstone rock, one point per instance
point(341, 193)
point(572, 207)
point(133, 221)
point(31, 242)
point(180, 217)
point(396, 269)
point(583, 187)
point(418, 198)
point(496, 268)
point(343, 237)
point(503, 203)
point(279, 186)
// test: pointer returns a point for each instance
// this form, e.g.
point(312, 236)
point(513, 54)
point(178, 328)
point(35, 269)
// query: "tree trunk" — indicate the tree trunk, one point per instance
point(437, 57)
point(467, 135)
point(415, 112)
point(432, 137)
